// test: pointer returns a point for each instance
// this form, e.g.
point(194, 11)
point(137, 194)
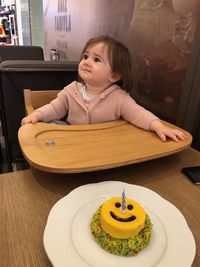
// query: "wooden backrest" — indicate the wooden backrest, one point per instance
point(35, 99)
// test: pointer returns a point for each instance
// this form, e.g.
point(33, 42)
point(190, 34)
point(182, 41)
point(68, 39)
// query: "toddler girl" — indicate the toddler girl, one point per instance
point(102, 95)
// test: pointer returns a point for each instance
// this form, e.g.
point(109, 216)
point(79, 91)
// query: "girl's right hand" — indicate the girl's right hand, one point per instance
point(32, 118)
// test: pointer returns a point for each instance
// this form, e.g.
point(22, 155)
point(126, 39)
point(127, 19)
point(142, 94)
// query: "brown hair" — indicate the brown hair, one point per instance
point(119, 59)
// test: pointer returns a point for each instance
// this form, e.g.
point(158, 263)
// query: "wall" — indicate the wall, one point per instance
point(23, 22)
point(30, 22)
point(69, 24)
point(36, 21)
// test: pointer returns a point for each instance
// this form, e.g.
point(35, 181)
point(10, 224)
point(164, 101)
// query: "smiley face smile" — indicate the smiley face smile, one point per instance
point(129, 219)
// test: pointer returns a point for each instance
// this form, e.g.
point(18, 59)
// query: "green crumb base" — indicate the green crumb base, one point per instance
point(122, 247)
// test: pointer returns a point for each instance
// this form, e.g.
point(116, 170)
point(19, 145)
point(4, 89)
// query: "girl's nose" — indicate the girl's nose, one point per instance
point(87, 61)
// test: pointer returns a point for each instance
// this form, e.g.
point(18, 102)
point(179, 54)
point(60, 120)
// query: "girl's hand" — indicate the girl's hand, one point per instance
point(165, 132)
point(32, 118)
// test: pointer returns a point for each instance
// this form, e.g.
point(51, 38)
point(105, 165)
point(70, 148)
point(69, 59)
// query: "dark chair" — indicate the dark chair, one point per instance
point(18, 53)
point(21, 53)
point(17, 75)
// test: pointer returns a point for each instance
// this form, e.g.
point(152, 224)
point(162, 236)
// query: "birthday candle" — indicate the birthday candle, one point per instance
point(123, 201)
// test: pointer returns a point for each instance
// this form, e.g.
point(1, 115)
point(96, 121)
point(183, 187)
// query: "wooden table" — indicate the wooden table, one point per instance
point(26, 198)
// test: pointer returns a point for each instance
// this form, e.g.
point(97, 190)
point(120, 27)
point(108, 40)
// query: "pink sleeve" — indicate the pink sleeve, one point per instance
point(56, 109)
point(136, 114)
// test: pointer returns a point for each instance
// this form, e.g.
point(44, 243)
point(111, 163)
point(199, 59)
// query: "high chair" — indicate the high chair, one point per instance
point(36, 99)
point(84, 148)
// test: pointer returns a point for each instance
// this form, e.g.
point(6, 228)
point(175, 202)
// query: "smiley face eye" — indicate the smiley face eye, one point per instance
point(117, 205)
point(130, 207)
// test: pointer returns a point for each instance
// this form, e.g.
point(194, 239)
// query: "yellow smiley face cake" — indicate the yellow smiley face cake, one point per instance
point(121, 231)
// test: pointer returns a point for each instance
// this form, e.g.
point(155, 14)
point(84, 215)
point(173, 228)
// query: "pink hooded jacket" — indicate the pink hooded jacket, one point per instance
point(112, 104)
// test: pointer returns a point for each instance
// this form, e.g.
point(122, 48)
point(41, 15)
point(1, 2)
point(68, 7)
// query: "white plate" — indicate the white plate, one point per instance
point(68, 241)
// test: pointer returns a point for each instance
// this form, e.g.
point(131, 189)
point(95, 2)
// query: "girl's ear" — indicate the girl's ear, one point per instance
point(114, 78)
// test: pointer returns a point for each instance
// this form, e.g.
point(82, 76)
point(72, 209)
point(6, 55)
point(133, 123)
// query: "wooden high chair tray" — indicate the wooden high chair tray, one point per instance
point(82, 148)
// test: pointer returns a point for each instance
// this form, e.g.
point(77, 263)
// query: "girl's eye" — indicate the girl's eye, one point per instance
point(84, 57)
point(96, 59)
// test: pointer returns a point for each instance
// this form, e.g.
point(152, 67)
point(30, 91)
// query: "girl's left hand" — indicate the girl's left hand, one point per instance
point(165, 132)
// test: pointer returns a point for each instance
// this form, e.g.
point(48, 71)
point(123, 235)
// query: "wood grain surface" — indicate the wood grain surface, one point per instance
point(26, 198)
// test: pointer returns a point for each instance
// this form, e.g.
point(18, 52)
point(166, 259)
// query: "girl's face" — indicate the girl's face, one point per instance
point(94, 67)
